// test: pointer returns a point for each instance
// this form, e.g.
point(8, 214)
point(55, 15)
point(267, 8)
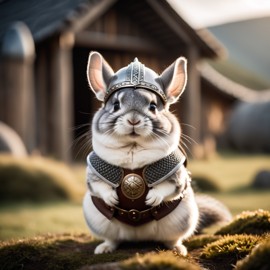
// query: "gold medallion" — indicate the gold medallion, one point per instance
point(133, 186)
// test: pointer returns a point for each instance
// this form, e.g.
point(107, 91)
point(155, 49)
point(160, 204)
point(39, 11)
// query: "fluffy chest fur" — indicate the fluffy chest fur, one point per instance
point(119, 141)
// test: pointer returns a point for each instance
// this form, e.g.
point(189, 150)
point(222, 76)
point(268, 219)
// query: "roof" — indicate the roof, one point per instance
point(230, 88)
point(48, 17)
point(248, 56)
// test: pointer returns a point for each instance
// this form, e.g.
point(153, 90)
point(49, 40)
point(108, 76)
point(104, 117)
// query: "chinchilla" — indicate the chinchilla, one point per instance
point(138, 184)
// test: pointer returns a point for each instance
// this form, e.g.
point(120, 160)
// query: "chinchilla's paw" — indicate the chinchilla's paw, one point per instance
point(110, 197)
point(153, 198)
point(105, 247)
point(178, 247)
point(181, 249)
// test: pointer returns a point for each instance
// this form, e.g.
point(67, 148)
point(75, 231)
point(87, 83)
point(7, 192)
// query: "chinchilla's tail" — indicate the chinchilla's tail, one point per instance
point(211, 211)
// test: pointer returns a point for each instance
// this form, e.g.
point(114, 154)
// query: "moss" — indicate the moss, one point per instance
point(73, 251)
point(53, 252)
point(258, 259)
point(200, 241)
point(235, 246)
point(36, 179)
point(248, 222)
point(158, 261)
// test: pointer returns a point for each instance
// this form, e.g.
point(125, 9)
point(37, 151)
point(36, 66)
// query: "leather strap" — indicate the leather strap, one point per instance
point(152, 174)
point(134, 217)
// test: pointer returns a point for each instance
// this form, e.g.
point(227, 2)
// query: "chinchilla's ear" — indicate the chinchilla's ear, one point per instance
point(99, 73)
point(174, 79)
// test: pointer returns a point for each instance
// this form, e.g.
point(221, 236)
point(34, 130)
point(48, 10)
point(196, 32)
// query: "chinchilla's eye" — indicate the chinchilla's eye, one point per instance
point(116, 106)
point(153, 107)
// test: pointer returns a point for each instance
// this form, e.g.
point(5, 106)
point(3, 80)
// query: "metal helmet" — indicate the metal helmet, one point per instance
point(136, 75)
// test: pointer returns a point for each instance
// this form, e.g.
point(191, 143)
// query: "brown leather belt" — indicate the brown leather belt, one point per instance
point(134, 217)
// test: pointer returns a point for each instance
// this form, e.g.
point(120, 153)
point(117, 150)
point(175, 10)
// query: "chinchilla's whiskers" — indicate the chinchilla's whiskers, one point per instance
point(163, 132)
point(80, 127)
point(84, 144)
point(185, 138)
point(188, 125)
point(160, 130)
point(160, 139)
point(188, 139)
point(106, 122)
point(82, 141)
point(110, 120)
point(182, 144)
point(109, 132)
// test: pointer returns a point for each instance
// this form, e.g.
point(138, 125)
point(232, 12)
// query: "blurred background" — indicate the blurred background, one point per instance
point(46, 105)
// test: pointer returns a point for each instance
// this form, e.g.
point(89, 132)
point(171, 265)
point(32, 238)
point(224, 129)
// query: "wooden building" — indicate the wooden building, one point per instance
point(57, 98)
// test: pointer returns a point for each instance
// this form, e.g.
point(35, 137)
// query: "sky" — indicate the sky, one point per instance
point(206, 13)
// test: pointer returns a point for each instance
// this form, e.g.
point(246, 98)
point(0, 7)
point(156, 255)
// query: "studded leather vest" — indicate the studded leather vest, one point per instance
point(133, 185)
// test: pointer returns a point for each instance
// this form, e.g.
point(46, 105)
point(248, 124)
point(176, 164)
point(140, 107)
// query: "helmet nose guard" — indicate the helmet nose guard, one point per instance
point(136, 75)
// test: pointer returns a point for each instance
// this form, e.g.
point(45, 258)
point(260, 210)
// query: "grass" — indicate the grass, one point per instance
point(158, 261)
point(37, 179)
point(75, 250)
point(225, 252)
point(52, 234)
point(244, 201)
point(258, 259)
point(230, 171)
point(250, 222)
point(28, 220)
point(52, 252)
point(238, 245)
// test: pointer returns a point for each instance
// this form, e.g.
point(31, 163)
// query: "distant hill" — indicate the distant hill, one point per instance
point(248, 45)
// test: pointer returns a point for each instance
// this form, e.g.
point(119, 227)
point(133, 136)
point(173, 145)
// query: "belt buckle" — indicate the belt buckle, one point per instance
point(134, 215)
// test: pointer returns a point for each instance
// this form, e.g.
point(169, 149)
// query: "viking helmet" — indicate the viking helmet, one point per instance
point(136, 75)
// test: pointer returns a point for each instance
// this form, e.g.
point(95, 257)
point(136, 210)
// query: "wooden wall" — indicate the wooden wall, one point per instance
point(63, 102)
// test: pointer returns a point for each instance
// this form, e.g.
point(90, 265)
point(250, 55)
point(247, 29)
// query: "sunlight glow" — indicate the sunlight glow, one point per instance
point(205, 13)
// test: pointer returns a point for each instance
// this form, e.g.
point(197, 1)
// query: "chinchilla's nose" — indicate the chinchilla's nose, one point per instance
point(134, 122)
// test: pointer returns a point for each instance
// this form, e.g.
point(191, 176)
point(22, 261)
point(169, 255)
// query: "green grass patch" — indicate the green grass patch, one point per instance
point(230, 171)
point(230, 245)
point(238, 202)
point(159, 261)
point(53, 252)
point(249, 222)
point(225, 252)
point(199, 241)
point(74, 251)
point(258, 259)
point(32, 217)
point(29, 220)
point(36, 179)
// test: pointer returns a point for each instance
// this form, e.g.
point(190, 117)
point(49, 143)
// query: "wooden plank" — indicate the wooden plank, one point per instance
point(18, 83)
point(42, 93)
point(120, 42)
point(61, 113)
point(94, 12)
point(173, 24)
point(191, 102)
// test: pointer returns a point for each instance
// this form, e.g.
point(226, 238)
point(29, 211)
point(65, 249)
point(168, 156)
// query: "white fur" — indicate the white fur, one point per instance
point(136, 152)
point(172, 230)
point(132, 146)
